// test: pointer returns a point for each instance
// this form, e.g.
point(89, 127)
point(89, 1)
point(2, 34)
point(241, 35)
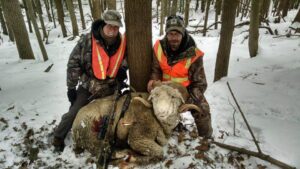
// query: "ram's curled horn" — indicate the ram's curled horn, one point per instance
point(185, 107)
point(142, 100)
point(157, 83)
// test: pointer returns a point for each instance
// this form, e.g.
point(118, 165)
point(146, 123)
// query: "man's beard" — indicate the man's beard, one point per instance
point(174, 45)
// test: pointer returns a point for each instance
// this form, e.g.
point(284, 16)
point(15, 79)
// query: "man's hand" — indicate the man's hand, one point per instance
point(150, 85)
point(72, 95)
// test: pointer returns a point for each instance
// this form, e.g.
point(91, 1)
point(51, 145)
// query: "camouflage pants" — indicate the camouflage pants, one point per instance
point(67, 119)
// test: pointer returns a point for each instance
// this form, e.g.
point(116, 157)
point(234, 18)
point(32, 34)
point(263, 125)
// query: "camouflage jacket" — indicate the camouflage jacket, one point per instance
point(196, 72)
point(79, 68)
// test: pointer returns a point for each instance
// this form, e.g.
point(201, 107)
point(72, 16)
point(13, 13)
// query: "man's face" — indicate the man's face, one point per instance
point(111, 31)
point(174, 39)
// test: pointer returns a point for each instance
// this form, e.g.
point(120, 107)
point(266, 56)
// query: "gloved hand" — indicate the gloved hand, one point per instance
point(72, 95)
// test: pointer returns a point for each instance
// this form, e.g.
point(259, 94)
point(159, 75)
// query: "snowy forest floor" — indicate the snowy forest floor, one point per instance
point(267, 88)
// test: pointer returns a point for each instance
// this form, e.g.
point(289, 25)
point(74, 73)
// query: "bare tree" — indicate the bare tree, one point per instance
point(264, 10)
point(223, 55)
point(206, 17)
point(81, 14)
point(3, 24)
point(111, 4)
point(27, 16)
point(174, 7)
point(297, 18)
point(253, 31)
point(218, 6)
point(51, 6)
point(203, 5)
point(73, 17)
point(139, 42)
point(162, 16)
point(96, 9)
point(48, 10)
point(36, 29)
point(60, 15)
point(13, 14)
point(40, 13)
point(186, 12)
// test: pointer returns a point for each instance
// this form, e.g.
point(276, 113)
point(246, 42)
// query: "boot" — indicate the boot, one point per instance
point(58, 144)
point(204, 126)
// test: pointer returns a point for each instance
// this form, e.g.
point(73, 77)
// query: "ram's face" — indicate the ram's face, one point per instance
point(166, 101)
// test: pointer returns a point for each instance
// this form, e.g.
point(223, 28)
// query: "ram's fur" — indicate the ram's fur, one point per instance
point(144, 128)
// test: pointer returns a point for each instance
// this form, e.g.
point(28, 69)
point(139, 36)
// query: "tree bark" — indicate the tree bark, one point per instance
point(48, 10)
point(218, 5)
point(81, 14)
point(186, 12)
point(223, 55)
point(174, 7)
point(96, 9)
point(139, 42)
point(112, 4)
point(51, 6)
point(162, 16)
point(264, 10)
point(27, 16)
point(206, 17)
point(73, 17)
point(13, 15)
point(253, 31)
point(36, 29)
point(60, 16)
point(40, 13)
point(3, 24)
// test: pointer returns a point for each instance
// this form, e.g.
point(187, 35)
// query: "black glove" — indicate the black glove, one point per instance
point(72, 95)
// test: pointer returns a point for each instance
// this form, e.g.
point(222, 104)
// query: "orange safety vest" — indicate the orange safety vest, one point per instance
point(102, 64)
point(178, 72)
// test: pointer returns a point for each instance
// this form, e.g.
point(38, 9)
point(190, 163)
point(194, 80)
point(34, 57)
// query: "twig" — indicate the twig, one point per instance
point(255, 154)
point(233, 116)
point(249, 128)
point(48, 68)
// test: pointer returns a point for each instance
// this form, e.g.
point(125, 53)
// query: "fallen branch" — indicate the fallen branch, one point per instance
point(288, 35)
point(248, 126)
point(48, 68)
point(242, 24)
point(268, 28)
point(255, 154)
point(219, 22)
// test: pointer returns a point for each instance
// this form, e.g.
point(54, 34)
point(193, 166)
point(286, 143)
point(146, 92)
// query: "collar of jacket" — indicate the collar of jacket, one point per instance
point(110, 49)
point(185, 50)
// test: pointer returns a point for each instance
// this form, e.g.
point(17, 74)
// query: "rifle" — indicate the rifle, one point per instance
point(105, 134)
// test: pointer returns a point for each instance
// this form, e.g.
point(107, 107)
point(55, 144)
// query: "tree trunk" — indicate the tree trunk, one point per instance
point(81, 14)
point(112, 4)
point(3, 24)
point(223, 55)
point(186, 12)
point(206, 17)
point(36, 29)
point(264, 10)
point(96, 9)
point(27, 16)
point(51, 6)
point(168, 8)
point(40, 13)
point(253, 31)
point(285, 8)
point(218, 6)
point(139, 42)
point(73, 17)
point(60, 16)
point(203, 5)
point(297, 18)
point(13, 15)
point(283, 4)
point(245, 9)
point(174, 7)
point(48, 10)
point(162, 16)
point(197, 5)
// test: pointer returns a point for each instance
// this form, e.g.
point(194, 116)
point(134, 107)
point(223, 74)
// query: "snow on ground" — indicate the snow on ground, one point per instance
point(267, 88)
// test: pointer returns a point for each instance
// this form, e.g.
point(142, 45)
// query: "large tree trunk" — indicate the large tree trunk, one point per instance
point(81, 14)
point(253, 31)
point(139, 42)
point(206, 17)
point(13, 15)
point(36, 29)
point(60, 16)
point(174, 7)
point(73, 17)
point(186, 12)
point(3, 25)
point(96, 9)
point(223, 55)
point(112, 4)
point(162, 16)
point(40, 13)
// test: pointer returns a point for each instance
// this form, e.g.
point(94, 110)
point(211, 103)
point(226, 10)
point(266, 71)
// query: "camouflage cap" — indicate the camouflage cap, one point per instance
point(175, 23)
point(112, 17)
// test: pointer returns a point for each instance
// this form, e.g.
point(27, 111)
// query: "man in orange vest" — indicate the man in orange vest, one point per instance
point(95, 68)
point(176, 58)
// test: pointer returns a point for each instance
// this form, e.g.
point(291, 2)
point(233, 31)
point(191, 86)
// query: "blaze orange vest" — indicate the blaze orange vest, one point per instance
point(102, 64)
point(180, 71)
